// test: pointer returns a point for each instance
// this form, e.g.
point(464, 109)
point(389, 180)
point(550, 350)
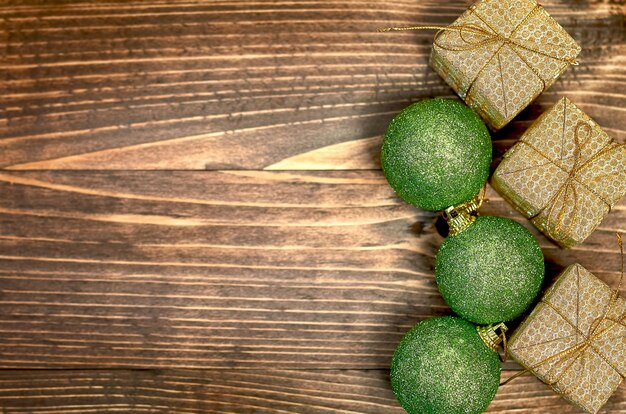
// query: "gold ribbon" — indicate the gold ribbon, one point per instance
point(489, 36)
point(568, 188)
point(574, 353)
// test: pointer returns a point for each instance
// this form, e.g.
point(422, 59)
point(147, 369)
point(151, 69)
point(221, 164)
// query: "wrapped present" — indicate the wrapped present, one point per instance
point(500, 55)
point(565, 174)
point(575, 339)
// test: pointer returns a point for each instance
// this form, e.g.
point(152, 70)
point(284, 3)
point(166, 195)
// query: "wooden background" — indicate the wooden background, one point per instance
point(192, 214)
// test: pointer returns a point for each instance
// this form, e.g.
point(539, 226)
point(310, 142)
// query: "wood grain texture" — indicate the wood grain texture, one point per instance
point(243, 391)
point(249, 85)
point(240, 269)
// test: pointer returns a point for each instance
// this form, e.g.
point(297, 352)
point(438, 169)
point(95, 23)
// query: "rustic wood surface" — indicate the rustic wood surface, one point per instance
point(192, 213)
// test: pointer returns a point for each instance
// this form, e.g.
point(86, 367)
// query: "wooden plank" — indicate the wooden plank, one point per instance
point(244, 391)
point(237, 269)
point(248, 85)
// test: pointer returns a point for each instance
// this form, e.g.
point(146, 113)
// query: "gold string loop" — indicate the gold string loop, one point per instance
point(568, 191)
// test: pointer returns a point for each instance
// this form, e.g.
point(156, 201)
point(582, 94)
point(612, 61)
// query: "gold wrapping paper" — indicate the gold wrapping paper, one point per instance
point(574, 340)
point(565, 174)
point(500, 55)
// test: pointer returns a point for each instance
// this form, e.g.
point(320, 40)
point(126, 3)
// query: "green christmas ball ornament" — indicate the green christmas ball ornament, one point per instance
point(491, 271)
point(436, 153)
point(442, 366)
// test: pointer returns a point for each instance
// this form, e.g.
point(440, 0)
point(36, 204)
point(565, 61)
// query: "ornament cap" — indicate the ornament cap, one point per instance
point(493, 335)
point(460, 217)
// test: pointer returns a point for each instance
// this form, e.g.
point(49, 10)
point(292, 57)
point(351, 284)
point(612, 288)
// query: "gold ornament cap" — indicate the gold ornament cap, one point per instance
point(460, 217)
point(493, 335)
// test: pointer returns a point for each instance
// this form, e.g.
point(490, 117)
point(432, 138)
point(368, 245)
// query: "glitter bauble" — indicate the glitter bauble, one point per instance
point(436, 153)
point(491, 271)
point(442, 366)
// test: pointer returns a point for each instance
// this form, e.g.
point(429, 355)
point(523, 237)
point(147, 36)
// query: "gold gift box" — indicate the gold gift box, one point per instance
point(565, 174)
point(575, 339)
point(500, 55)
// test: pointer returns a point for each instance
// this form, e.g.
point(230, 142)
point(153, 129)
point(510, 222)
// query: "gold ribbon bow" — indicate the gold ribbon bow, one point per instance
point(487, 37)
point(568, 357)
point(568, 192)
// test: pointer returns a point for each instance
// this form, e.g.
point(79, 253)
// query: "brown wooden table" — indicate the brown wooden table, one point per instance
point(192, 214)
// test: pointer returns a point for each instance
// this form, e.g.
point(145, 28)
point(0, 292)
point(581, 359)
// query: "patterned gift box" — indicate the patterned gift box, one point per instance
point(565, 174)
point(500, 55)
point(575, 339)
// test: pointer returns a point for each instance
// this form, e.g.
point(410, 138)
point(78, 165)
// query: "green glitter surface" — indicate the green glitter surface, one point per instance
point(441, 366)
point(491, 272)
point(436, 153)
